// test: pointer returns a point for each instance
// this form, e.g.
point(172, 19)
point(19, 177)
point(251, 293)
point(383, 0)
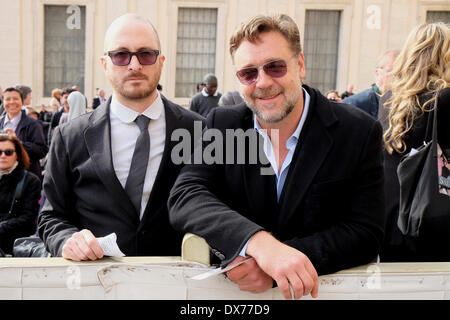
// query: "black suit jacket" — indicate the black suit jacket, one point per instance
point(332, 204)
point(83, 191)
point(31, 133)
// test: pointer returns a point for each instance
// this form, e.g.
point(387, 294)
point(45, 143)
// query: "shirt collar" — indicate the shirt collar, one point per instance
point(205, 94)
point(297, 131)
point(15, 121)
point(128, 115)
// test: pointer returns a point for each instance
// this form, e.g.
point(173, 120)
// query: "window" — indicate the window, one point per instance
point(196, 48)
point(435, 16)
point(64, 47)
point(321, 43)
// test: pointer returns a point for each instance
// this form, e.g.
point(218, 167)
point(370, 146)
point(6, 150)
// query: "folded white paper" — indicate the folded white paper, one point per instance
point(213, 272)
point(109, 245)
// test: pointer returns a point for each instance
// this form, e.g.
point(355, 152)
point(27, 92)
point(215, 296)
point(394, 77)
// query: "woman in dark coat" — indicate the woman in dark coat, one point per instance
point(421, 81)
point(27, 129)
point(21, 220)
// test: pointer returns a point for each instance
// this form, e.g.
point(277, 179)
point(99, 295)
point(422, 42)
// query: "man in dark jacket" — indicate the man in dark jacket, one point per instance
point(111, 170)
point(311, 203)
point(99, 100)
point(369, 99)
point(207, 99)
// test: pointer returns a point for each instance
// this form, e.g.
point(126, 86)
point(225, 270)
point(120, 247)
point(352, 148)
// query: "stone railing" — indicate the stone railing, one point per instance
point(169, 278)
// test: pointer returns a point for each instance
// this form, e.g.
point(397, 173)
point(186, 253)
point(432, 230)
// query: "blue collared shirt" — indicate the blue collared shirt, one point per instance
point(291, 143)
point(12, 123)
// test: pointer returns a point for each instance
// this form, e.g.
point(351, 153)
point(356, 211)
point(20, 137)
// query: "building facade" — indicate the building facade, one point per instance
point(58, 43)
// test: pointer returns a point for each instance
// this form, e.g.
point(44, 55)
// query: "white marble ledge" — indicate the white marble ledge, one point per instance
point(159, 278)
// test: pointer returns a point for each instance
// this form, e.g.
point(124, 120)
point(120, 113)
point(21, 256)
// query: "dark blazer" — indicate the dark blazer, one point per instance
point(83, 191)
point(22, 221)
point(332, 204)
point(31, 133)
point(366, 100)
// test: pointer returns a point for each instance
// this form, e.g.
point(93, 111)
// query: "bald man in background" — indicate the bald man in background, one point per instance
point(87, 187)
point(369, 99)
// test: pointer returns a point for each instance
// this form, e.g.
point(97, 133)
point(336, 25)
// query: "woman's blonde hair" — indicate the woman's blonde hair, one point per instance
point(423, 65)
point(56, 91)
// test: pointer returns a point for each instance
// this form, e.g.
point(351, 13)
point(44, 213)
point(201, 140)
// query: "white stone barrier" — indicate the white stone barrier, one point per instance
point(169, 278)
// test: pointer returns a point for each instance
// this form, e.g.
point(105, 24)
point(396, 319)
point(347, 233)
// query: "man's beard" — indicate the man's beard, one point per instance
point(134, 93)
point(286, 108)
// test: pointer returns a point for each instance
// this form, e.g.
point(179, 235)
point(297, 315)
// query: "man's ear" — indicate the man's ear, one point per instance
point(301, 65)
point(103, 62)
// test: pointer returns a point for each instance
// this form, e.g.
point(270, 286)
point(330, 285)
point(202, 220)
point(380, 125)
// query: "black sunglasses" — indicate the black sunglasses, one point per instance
point(8, 152)
point(123, 57)
point(274, 69)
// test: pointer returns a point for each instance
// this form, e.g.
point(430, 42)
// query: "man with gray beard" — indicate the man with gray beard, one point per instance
point(322, 209)
point(110, 171)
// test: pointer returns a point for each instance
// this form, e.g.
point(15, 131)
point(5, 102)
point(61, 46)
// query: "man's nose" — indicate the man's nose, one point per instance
point(134, 64)
point(263, 80)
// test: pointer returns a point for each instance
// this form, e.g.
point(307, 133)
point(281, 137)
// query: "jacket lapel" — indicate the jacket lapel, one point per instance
point(23, 121)
point(98, 142)
point(312, 149)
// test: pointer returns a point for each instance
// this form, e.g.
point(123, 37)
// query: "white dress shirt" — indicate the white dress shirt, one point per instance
point(124, 133)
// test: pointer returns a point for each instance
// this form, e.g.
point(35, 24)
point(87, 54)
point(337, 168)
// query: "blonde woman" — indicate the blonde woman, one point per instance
point(421, 80)
point(55, 102)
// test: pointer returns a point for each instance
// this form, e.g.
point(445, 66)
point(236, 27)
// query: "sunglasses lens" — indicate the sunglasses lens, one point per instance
point(8, 152)
point(247, 76)
point(276, 69)
point(120, 58)
point(147, 57)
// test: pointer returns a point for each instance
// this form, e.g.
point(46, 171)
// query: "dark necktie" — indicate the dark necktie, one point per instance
point(136, 176)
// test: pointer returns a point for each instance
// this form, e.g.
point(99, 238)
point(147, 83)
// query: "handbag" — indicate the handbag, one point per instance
point(424, 213)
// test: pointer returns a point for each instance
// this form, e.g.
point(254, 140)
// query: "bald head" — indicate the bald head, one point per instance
point(384, 68)
point(118, 24)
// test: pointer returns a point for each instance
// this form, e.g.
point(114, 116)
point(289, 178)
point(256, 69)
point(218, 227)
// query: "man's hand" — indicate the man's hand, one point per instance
point(82, 245)
point(249, 276)
point(286, 265)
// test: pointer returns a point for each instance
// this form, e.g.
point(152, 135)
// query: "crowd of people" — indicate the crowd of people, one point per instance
point(322, 196)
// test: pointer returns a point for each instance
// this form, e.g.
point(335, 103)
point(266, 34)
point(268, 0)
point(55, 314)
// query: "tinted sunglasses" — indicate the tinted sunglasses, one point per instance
point(8, 152)
point(274, 69)
point(123, 57)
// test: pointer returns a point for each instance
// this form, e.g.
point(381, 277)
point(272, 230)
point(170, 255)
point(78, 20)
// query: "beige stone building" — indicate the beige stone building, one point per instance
point(56, 43)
